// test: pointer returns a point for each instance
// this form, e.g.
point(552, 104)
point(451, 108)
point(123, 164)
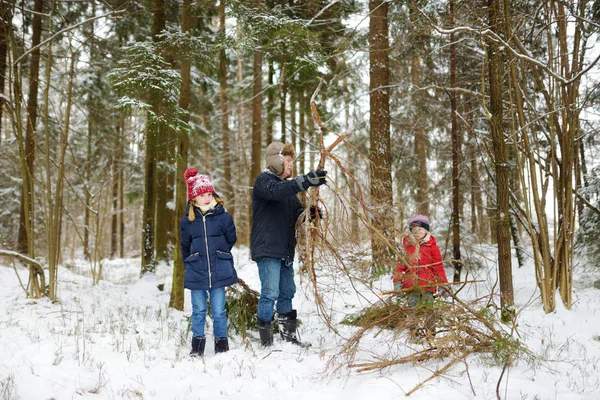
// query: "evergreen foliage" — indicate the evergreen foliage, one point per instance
point(142, 75)
point(242, 308)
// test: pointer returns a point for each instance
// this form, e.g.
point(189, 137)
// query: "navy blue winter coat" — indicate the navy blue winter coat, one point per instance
point(206, 245)
point(275, 209)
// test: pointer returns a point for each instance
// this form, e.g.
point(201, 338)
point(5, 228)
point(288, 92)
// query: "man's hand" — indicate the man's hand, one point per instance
point(313, 178)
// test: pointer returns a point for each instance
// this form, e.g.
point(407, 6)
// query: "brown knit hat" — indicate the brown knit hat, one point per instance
point(275, 153)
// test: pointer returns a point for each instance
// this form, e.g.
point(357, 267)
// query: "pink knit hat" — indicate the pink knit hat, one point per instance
point(197, 184)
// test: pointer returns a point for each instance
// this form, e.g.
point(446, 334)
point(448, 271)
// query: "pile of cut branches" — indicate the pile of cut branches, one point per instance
point(461, 329)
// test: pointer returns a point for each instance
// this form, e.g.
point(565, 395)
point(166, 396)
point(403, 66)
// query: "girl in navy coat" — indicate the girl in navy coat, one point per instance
point(207, 237)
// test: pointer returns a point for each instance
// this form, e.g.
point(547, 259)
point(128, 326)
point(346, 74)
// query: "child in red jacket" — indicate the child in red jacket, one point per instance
point(420, 270)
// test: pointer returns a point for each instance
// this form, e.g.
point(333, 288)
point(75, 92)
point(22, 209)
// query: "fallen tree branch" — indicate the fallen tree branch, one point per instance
point(23, 258)
point(36, 270)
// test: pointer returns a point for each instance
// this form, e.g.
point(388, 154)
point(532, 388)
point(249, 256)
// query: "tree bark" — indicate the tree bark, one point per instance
point(151, 160)
point(255, 162)
point(422, 193)
point(502, 220)
point(581, 174)
point(87, 178)
point(479, 219)
point(380, 154)
point(122, 195)
point(270, 102)
point(241, 146)
point(224, 102)
point(564, 192)
point(293, 120)
point(304, 115)
point(282, 108)
point(114, 218)
point(164, 218)
point(177, 291)
point(26, 221)
point(54, 227)
point(6, 13)
point(456, 143)
point(354, 234)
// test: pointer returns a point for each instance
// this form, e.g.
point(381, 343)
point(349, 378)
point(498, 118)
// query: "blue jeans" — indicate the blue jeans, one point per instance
point(419, 297)
point(217, 306)
point(276, 285)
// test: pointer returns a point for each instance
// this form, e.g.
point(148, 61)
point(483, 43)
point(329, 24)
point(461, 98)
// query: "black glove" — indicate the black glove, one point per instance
point(313, 178)
point(313, 212)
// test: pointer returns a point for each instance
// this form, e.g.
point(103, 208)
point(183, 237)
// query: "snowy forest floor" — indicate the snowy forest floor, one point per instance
point(120, 340)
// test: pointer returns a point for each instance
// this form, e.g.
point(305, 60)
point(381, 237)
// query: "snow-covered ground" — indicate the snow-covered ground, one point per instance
point(120, 340)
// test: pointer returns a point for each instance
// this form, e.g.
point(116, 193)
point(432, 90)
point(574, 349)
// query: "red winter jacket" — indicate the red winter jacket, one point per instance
point(427, 271)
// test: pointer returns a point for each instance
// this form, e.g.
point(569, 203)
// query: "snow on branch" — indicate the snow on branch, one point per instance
point(21, 257)
point(523, 54)
point(68, 28)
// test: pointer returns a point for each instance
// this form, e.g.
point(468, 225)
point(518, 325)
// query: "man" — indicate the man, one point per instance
point(275, 209)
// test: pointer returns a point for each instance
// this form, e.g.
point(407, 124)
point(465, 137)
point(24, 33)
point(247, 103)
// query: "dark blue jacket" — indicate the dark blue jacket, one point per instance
point(275, 209)
point(206, 245)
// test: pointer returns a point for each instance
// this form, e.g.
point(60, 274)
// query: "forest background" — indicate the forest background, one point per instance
point(480, 114)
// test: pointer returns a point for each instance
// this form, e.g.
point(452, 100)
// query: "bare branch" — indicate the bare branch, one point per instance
point(69, 28)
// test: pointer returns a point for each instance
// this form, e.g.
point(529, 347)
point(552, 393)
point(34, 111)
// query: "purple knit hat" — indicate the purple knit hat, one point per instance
point(419, 220)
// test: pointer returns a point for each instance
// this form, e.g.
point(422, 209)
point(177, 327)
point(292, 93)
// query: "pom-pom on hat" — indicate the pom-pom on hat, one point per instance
point(197, 184)
point(419, 220)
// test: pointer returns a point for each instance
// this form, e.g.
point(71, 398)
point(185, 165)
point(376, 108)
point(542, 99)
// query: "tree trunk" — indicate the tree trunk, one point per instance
point(115, 174)
point(122, 194)
point(283, 97)
point(86, 184)
point(115, 208)
point(564, 192)
point(293, 120)
point(304, 113)
point(581, 176)
point(241, 146)
point(150, 163)
point(352, 162)
point(177, 293)
point(6, 12)
point(26, 226)
point(164, 218)
point(479, 219)
point(255, 162)
point(50, 197)
point(224, 102)
point(456, 142)
point(382, 235)
point(55, 200)
point(422, 194)
point(502, 219)
point(270, 103)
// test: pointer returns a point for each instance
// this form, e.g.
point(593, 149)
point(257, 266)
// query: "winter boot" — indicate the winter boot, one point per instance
point(198, 344)
point(265, 330)
point(221, 345)
point(287, 328)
